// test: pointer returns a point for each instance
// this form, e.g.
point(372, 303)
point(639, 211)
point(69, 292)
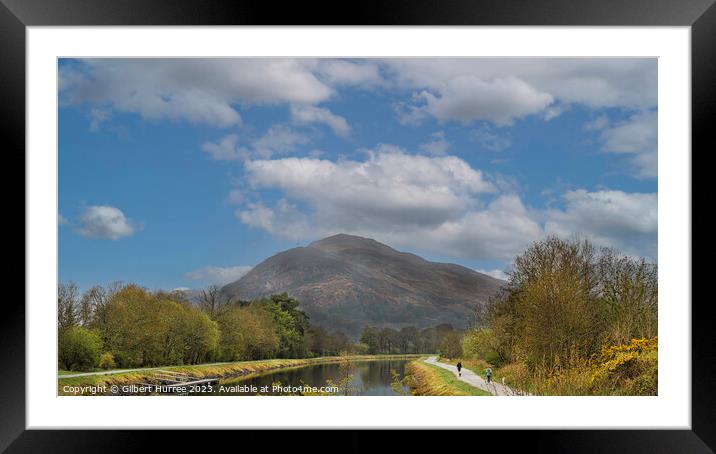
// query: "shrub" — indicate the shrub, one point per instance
point(79, 349)
point(626, 369)
point(106, 361)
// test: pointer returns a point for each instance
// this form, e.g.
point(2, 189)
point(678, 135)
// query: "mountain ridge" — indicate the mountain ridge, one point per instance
point(345, 282)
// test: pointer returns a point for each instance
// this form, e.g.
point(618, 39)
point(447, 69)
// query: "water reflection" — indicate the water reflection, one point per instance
point(369, 378)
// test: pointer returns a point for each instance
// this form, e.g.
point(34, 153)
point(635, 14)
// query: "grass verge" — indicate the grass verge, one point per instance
point(428, 380)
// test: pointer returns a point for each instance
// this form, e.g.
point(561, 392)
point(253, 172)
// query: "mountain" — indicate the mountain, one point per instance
point(346, 282)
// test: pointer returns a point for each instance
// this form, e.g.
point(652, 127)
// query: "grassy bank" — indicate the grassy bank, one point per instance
point(221, 370)
point(427, 380)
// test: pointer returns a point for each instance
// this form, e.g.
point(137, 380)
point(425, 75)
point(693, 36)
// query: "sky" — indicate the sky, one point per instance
point(180, 173)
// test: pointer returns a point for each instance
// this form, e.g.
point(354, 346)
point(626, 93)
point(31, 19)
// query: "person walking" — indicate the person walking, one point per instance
point(488, 375)
point(459, 368)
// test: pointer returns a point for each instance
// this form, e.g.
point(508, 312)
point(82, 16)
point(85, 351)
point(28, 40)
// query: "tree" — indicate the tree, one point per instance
point(370, 338)
point(79, 349)
point(629, 288)
point(150, 329)
point(451, 345)
point(67, 306)
point(213, 301)
point(291, 324)
point(318, 341)
point(247, 333)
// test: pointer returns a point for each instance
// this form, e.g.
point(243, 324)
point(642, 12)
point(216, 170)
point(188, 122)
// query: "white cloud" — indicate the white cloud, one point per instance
point(283, 220)
point(500, 231)
point(279, 139)
point(496, 273)
point(224, 150)
point(105, 222)
point(466, 99)
point(435, 204)
point(498, 90)
point(638, 137)
point(312, 114)
point(555, 111)
point(646, 165)
point(218, 274)
point(361, 73)
point(594, 83)
point(429, 203)
point(437, 144)
point(200, 90)
point(628, 221)
point(61, 220)
point(389, 187)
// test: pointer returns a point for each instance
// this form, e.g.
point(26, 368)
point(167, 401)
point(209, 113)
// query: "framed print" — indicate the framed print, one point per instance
point(469, 216)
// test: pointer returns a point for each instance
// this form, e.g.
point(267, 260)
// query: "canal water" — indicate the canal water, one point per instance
point(359, 378)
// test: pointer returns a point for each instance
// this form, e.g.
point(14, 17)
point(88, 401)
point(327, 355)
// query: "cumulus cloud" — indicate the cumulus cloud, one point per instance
point(61, 220)
point(284, 219)
point(218, 274)
point(390, 186)
point(437, 144)
point(105, 222)
point(435, 204)
point(487, 85)
point(224, 150)
point(279, 139)
point(312, 114)
point(499, 90)
point(638, 137)
point(199, 90)
point(432, 203)
point(501, 230)
point(466, 99)
point(627, 221)
point(358, 73)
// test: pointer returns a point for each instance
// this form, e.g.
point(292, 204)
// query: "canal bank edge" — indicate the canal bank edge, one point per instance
point(219, 371)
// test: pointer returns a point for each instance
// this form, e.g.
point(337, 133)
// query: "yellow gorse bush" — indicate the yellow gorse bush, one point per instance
point(613, 359)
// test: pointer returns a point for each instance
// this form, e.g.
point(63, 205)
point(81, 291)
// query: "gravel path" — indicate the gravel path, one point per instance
point(470, 377)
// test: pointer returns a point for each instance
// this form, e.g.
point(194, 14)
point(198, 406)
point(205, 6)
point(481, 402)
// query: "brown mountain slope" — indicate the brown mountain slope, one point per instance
point(346, 282)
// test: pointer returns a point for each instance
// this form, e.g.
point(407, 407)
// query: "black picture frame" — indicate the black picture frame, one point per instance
point(700, 15)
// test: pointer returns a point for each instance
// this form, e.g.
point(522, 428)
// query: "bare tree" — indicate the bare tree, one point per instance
point(213, 301)
point(67, 306)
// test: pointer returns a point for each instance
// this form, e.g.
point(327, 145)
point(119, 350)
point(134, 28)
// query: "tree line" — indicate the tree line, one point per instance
point(127, 326)
point(124, 325)
point(443, 339)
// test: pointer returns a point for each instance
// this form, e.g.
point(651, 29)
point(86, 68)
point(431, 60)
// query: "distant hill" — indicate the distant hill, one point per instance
point(345, 282)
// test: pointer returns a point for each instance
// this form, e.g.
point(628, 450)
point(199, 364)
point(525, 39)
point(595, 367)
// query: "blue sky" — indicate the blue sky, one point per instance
point(180, 173)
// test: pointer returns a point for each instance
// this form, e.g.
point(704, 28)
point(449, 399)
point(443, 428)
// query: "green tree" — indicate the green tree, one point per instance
point(79, 349)
point(370, 338)
point(247, 333)
point(291, 324)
